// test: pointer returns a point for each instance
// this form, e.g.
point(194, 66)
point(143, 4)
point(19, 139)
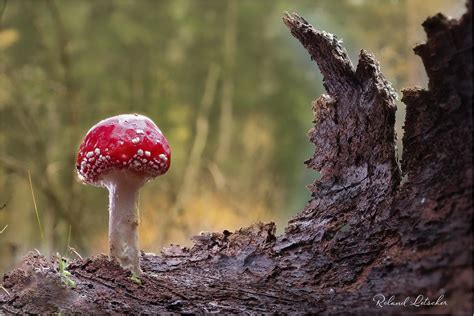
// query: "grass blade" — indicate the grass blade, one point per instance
point(68, 246)
point(36, 208)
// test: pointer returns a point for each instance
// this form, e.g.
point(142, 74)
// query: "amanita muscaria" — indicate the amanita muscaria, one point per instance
point(122, 153)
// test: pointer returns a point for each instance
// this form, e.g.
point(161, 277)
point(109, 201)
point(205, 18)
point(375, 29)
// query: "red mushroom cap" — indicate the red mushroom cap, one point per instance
point(124, 142)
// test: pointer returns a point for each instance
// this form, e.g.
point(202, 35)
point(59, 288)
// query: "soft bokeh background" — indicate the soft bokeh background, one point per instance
point(225, 81)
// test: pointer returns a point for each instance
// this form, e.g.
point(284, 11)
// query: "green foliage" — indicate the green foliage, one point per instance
point(64, 274)
point(135, 278)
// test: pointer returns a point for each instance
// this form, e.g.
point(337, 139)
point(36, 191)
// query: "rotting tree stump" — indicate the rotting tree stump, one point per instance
point(364, 232)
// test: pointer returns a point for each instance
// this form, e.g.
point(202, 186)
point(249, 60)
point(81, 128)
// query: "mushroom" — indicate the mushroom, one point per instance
point(122, 153)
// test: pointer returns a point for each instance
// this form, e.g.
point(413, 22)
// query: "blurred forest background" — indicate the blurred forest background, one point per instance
point(224, 80)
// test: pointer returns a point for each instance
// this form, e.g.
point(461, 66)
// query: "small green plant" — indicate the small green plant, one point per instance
point(135, 278)
point(64, 273)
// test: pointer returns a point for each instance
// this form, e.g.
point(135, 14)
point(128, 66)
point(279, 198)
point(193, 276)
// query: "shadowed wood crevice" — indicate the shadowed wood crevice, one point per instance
point(361, 234)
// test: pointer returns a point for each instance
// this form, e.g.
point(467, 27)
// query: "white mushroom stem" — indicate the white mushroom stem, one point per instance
point(124, 218)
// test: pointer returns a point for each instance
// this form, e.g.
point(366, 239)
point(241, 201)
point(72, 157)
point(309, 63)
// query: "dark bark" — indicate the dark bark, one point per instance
point(363, 233)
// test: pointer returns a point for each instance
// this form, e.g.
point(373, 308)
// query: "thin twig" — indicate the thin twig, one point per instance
point(4, 289)
point(75, 252)
point(12, 164)
point(1, 231)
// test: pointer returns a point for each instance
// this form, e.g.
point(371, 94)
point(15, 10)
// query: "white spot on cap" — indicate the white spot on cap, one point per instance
point(147, 153)
point(97, 151)
point(163, 157)
point(140, 131)
point(136, 140)
point(89, 154)
point(140, 152)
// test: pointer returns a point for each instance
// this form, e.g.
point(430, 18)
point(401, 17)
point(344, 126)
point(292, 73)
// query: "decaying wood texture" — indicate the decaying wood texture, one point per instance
point(363, 233)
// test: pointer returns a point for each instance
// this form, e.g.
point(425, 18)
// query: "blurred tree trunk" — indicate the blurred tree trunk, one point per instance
point(363, 235)
point(227, 93)
point(193, 165)
point(70, 109)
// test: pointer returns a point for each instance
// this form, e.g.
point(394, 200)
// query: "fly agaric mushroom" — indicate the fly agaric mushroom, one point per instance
point(122, 153)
